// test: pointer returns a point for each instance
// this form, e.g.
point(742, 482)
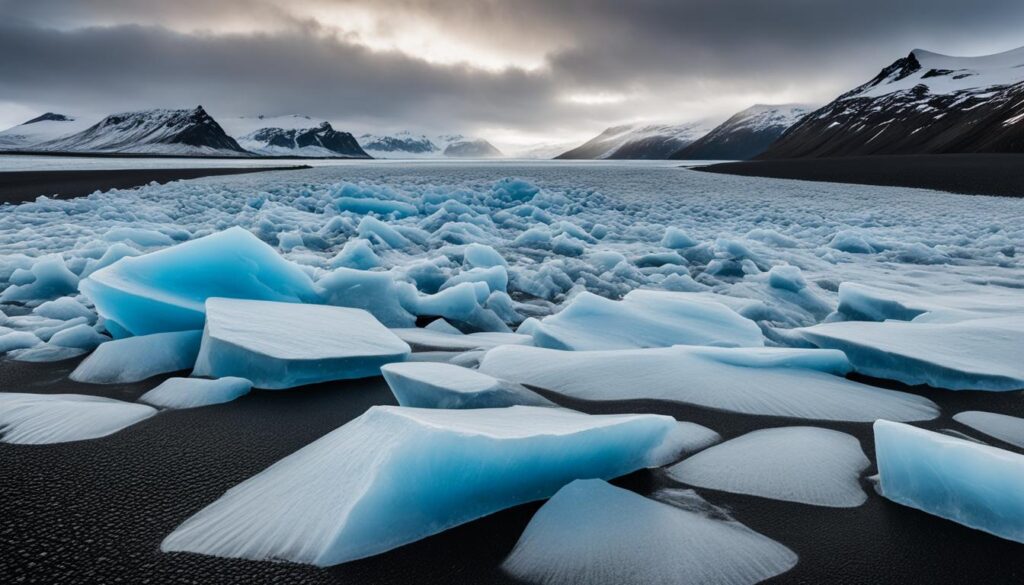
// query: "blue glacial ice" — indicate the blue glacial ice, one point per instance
point(165, 290)
point(36, 419)
point(963, 481)
point(195, 392)
point(283, 345)
point(593, 532)
point(1009, 429)
point(356, 253)
point(64, 309)
point(798, 383)
point(438, 385)
point(645, 318)
point(396, 475)
point(134, 359)
point(809, 465)
point(974, 354)
point(48, 278)
point(482, 256)
point(79, 336)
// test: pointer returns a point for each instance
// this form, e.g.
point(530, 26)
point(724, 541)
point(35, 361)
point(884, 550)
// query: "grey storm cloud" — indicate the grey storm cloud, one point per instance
point(663, 56)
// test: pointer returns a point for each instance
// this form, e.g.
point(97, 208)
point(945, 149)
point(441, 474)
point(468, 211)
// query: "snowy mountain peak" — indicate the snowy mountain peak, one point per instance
point(315, 140)
point(188, 132)
point(49, 117)
point(923, 103)
point(407, 144)
point(745, 134)
point(640, 141)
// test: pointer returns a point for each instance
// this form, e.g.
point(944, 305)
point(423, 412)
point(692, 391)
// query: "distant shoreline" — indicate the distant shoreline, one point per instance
point(968, 174)
point(23, 186)
point(188, 156)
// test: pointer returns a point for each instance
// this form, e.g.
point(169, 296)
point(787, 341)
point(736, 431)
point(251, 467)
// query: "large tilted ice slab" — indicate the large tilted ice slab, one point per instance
point(195, 392)
point(797, 464)
point(798, 383)
point(963, 481)
point(283, 345)
point(134, 359)
point(1009, 429)
point(978, 354)
point(594, 533)
point(396, 475)
point(36, 419)
point(422, 339)
point(863, 302)
point(165, 290)
point(436, 385)
point(645, 318)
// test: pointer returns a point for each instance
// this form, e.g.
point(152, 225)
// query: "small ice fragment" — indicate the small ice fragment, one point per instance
point(283, 345)
point(798, 464)
point(1008, 429)
point(134, 359)
point(194, 392)
point(36, 419)
point(439, 385)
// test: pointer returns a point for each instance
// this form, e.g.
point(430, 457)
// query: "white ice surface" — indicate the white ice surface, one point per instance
point(194, 392)
point(779, 382)
point(976, 354)
point(134, 359)
point(1009, 429)
point(809, 465)
point(396, 475)
point(963, 481)
point(36, 419)
point(439, 385)
point(591, 532)
point(645, 319)
point(283, 345)
point(424, 339)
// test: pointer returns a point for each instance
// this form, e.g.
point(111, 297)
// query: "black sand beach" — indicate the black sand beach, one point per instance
point(969, 174)
point(96, 511)
point(22, 186)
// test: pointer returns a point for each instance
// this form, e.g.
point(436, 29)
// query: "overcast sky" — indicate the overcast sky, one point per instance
point(513, 71)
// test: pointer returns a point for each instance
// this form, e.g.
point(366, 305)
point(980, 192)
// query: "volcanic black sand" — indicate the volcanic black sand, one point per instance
point(970, 174)
point(95, 511)
point(22, 186)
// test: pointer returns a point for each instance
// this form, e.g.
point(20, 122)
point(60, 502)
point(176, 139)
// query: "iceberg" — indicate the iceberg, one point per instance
point(38, 419)
point(375, 292)
point(396, 475)
point(65, 309)
point(973, 484)
point(796, 383)
point(1008, 429)
point(15, 340)
point(427, 339)
point(645, 318)
point(165, 290)
point(48, 278)
point(482, 256)
point(438, 385)
point(593, 532)
point(809, 465)
point(283, 345)
point(195, 392)
point(358, 254)
point(80, 336)
point(134, 359)
point(976, 354)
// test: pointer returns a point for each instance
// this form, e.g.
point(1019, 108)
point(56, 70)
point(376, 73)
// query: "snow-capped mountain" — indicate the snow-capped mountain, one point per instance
point(922, 103)
point(746, 134)
point(406, 144)
point(540, 150)
point(638, 141)
point(293, 136)
point(47, 127)
point(160, 132)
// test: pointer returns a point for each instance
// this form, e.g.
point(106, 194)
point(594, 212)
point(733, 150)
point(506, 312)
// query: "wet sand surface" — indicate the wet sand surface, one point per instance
point(970, 174)
point(22, 186)
point(96, 511)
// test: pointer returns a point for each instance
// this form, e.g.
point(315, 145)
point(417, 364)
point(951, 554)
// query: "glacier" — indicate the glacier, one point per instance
point(593, 532)
point(797, 383)
point(39, 419)
point(808, 465)
point(973, 484)
point(283, 345)
point(134, 359)
point(973, 354)
point(1006, 428)
point(195, 392)
point(165, 290)
point(396, 475)
point(439, 385)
